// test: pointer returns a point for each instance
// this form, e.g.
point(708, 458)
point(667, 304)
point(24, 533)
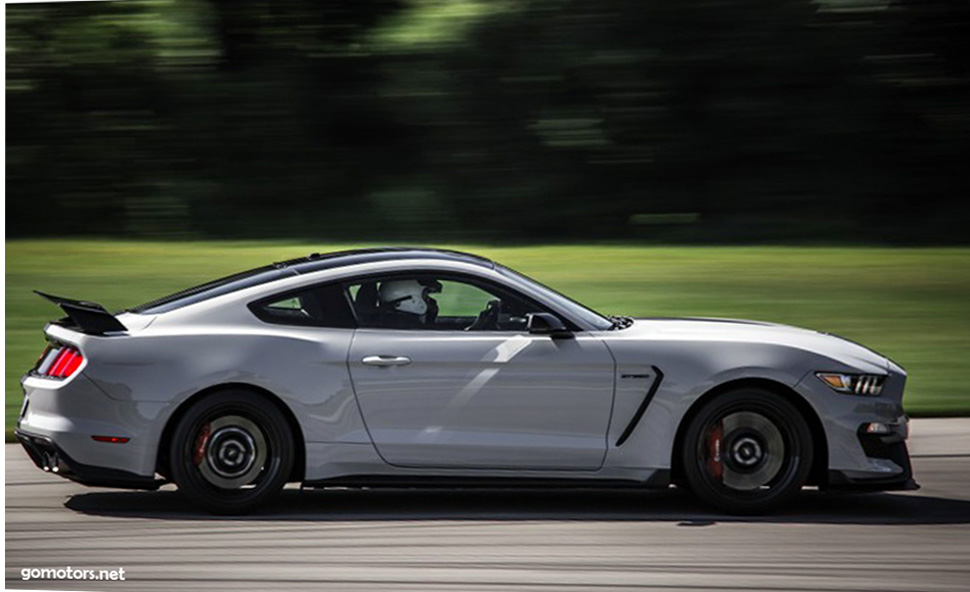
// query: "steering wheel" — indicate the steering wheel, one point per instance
point(487, 319)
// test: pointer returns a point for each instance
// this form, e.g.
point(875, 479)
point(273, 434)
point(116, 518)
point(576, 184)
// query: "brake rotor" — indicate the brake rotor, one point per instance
point(230, 451)
point(752, 450)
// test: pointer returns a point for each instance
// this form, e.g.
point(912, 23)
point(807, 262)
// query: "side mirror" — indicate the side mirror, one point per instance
point(543, 323)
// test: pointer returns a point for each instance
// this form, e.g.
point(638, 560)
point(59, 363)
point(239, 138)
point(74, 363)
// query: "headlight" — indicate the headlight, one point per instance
point(856, 384)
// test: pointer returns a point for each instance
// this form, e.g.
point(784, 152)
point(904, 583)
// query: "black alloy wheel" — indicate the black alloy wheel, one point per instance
point(747, 451)
point(231, 452)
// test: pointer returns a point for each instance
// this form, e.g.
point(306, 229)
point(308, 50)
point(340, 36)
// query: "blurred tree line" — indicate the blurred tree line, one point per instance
point(513, 120)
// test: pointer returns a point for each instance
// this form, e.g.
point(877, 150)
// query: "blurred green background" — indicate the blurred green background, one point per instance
point(644, 156)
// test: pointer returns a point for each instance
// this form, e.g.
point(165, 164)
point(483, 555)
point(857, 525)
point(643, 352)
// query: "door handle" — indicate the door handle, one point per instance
point(386, 360)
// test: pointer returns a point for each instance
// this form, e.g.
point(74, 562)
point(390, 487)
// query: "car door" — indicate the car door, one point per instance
point(456, 392)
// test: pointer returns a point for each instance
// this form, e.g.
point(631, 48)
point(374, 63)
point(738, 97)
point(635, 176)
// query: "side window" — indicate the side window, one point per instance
point(320, 306)
point(437, 303)
point(459, 300)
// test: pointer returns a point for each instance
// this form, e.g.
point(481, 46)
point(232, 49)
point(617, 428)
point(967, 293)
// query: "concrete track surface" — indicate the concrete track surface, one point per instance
point(503, 540)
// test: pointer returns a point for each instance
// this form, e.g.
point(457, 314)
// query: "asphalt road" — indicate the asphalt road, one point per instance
point(503, 540)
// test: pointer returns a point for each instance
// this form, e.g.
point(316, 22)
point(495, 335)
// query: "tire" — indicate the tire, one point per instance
point(747, 451)
point(231, 452)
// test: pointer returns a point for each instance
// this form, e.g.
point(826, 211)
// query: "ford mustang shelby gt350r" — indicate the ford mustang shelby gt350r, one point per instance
point(420, 367)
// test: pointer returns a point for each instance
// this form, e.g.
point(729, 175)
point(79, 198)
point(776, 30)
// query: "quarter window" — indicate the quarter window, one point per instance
point(320, 306)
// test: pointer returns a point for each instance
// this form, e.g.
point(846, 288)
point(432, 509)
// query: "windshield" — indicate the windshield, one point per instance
point(565, 303)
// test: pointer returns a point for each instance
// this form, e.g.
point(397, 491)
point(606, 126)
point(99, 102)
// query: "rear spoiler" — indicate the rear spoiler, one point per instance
point(90, 317)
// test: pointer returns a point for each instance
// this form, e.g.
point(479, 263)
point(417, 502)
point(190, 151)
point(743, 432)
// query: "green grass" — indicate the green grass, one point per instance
point(912, 305)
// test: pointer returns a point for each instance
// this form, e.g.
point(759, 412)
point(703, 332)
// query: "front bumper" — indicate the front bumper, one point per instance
point(889, 449)
point(860, 459)
point(49, 457)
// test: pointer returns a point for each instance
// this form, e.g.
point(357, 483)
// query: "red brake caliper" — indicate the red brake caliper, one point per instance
point(200, 443)
point(714, 464)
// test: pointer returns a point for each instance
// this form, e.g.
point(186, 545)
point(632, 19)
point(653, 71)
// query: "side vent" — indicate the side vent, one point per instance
point(658, 378)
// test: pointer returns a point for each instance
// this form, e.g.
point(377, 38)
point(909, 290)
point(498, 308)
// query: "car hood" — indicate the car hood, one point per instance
point(745, 331)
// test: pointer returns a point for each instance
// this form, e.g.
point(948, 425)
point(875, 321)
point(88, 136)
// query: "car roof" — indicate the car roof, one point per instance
point(300, 266)
point(319, 261)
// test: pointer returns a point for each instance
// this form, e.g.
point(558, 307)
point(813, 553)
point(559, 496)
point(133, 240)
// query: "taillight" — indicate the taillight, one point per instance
point(43, 355)
point(59, 361)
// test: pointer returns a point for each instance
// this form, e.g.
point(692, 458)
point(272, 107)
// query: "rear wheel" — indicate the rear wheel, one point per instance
point(231, 452)
point(747, 451)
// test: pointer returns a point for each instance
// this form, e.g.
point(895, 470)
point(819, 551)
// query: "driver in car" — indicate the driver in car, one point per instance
point(407, 304)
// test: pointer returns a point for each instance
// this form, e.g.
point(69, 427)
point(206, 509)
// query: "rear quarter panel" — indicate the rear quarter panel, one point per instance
point(305, 367)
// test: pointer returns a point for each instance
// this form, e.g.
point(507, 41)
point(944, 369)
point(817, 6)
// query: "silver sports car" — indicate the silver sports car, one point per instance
point(419, 367)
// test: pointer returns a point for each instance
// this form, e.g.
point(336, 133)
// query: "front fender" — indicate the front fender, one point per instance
point(690, 370)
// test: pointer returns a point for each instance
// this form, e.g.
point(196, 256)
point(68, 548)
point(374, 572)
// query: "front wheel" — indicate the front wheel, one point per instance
point(747, 451)
point(231, 452)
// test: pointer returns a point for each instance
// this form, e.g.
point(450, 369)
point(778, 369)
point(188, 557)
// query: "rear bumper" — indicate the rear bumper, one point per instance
point(69, 413)
point(49, 457)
